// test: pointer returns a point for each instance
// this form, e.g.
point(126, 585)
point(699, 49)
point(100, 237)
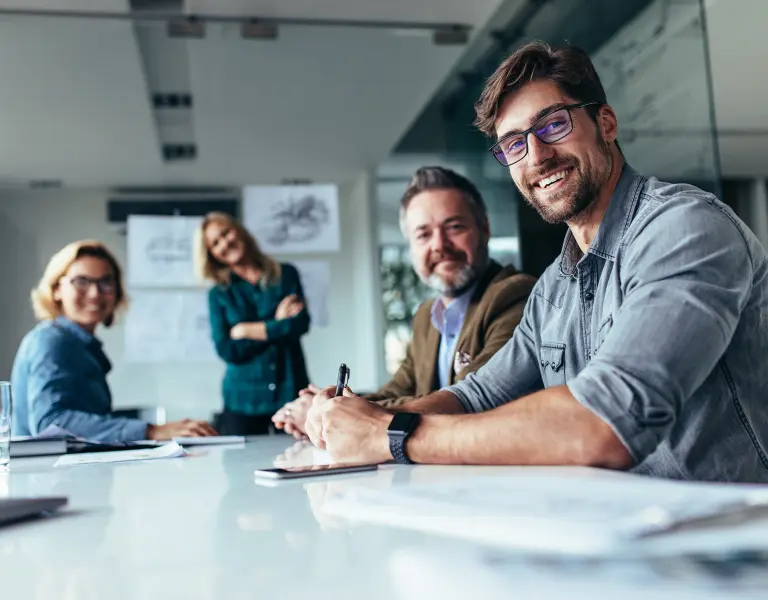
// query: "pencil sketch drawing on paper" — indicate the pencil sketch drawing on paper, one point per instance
point(293, 219)
point(168, 249)
point(296, 220)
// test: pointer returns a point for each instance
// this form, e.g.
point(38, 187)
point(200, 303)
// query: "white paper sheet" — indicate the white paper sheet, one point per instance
point(539, 512)
point(293, 218)
point(164, 326)
point(316, 281)
point(170, 450)
point(160, 251)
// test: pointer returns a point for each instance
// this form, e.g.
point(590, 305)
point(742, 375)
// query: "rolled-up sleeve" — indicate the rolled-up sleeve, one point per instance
point(511, 373)
point(686, 273)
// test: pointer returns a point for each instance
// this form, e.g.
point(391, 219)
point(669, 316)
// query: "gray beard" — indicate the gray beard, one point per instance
point(463, 280)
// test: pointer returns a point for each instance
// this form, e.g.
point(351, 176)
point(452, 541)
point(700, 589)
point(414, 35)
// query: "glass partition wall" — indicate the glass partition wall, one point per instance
point(652, 58)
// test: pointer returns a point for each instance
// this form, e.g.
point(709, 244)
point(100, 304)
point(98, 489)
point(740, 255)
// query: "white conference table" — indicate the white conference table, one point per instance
point(201, 527)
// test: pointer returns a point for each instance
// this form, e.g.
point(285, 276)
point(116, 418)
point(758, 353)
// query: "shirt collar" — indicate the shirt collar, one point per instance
point(76, 330)
point(615, 222)
point(458, 306)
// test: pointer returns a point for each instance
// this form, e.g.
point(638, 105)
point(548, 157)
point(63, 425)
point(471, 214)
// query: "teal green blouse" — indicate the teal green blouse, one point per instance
point(261, 376)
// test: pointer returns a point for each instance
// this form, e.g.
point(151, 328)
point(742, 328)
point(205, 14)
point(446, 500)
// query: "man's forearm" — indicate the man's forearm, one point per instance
point(436, 403)
point(549, 427)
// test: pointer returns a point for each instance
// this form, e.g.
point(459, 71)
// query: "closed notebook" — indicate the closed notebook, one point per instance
point(25, 446)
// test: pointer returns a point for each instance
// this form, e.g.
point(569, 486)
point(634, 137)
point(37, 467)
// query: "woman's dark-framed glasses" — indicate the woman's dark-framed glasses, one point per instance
point(106, 285)
point(550, 128)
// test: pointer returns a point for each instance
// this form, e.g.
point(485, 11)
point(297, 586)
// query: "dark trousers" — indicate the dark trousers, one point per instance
point(236, 423)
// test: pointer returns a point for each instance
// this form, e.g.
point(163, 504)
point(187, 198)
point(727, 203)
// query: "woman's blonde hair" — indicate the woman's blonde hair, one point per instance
point(208, 268)
point(43, 302)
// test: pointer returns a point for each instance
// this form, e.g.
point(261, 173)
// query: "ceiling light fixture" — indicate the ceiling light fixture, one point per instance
point(257, 29)
point(451, 36)
point(188, 27)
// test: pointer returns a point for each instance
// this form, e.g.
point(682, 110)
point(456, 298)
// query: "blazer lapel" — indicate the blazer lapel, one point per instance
point(490, 273)
point(426, 377)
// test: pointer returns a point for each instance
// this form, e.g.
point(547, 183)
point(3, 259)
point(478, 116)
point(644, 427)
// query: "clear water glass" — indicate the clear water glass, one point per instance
point(6, 413)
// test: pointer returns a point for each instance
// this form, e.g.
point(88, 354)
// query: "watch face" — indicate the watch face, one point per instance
point(403, 423)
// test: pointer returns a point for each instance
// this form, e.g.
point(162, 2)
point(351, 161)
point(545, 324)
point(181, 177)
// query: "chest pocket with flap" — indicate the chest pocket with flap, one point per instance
point(552, 361)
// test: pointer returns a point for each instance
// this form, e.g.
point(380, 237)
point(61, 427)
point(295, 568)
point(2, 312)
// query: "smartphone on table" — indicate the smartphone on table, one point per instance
point(311, 471)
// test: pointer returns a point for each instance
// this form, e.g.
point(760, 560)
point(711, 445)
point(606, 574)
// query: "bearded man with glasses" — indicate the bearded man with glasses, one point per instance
point(642, 347)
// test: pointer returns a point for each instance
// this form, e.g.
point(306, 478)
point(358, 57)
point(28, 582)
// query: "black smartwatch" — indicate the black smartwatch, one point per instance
point(402, 426)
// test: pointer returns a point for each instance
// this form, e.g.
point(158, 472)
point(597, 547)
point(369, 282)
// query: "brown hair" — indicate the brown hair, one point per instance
point(209, 268)
point(567, 66)
point(440, 178)
point(43, 303)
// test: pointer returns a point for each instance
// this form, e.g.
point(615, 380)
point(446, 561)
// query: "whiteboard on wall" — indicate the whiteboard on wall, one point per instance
point(288, 219)
point(316, 282)
point(160, 251)
point(167, 326)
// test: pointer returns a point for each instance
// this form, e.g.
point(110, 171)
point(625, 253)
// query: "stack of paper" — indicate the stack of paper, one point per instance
point(551, 513)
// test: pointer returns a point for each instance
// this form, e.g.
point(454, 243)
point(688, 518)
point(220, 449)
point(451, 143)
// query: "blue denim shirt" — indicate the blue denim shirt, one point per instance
point(661, 329)
point(59, 378)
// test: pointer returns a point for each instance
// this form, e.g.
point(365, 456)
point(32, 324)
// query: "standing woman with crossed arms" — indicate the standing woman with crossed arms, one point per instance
point(258, 316)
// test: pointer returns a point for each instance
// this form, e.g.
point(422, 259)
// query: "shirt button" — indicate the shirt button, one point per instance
point(272, 367)
point(588, 296)
point(272, 387)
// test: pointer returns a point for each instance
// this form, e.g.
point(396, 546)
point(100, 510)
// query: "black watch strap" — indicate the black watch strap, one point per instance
point(399, 430)
point(397, 448)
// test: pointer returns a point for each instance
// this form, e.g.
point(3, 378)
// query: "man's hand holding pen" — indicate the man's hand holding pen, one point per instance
point(349, 427)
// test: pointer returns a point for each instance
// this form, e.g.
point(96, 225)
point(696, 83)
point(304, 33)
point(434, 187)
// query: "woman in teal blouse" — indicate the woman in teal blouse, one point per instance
point(258, 316)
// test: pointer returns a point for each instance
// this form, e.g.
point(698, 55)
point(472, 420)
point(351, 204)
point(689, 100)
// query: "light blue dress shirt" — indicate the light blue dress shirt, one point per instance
point(448, 320)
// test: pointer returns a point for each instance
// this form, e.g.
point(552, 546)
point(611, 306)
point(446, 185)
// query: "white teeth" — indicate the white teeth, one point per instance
point(551, 179)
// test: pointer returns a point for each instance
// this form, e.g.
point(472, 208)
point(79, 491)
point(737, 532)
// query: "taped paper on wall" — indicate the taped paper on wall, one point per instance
point(316, 281)
point(293, 218)
point(160, 251)
point(168, 326)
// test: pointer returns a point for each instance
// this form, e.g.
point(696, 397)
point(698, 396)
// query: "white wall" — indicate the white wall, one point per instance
point(34, 225)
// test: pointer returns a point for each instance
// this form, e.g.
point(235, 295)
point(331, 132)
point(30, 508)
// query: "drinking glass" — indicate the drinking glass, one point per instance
point(6, 413)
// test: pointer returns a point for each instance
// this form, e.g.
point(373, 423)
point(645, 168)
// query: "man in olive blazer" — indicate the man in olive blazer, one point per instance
point(444, 219)
point(495, 309)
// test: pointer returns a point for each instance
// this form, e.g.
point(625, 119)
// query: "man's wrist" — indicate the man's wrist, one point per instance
point(383, 437)
point(399, 431)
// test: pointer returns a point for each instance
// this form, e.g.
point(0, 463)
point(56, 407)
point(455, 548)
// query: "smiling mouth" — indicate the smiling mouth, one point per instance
point(448, 261)
point(552, 179)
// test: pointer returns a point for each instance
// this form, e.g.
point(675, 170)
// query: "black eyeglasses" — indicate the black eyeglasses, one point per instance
point(106, 285)
point(550, 128)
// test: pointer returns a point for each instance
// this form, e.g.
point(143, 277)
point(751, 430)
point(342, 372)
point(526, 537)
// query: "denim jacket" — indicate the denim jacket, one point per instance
point(661, 329)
